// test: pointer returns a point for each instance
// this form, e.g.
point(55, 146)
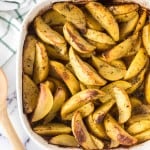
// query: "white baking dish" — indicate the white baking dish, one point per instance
point(39, 8)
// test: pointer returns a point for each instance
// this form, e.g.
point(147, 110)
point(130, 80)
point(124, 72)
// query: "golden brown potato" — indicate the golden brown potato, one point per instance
point(29, 54)
point(105, 18)
point(41, 65)
point(30, 94)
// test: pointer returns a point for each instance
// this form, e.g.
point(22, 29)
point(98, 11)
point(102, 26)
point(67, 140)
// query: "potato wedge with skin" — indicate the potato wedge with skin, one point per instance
point(125, 17)
point(44, 103)
point(29, 54)
point(69, 79)
point(91, 22)
point(137, 64)
point(122, 49)
point(80, 99)
point(81, 134)
point(139, 127)
point(118, 64)
point(59, 84)
point(137, 80)
point(143, 136)
point(105, 18)
point(41, 65)
point(96, 129)
point(137, 118)
point(146, 38)
point(85, 111)
point(123, 8)
point(74, 38)
point(101, 111)
point(117, 133)
point(72, 14)
point(53, 18)
point(49, 36)
point(107, 71)
point(59, 99)
point(100, 47)
point(134, 50)
point(52, 129)
point(99, 37)
point(141, 21)
point(108, 89)
point(97, 141)
point(84, 72)
point(123, 104)
point(54, 53)
point(64, 140)
point(30, 94)
point(147, 88)
point(127, 27)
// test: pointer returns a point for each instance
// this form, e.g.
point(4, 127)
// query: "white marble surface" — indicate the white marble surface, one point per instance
point(10, 69)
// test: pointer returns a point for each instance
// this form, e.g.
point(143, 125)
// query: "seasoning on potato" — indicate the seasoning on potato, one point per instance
point(86, 77)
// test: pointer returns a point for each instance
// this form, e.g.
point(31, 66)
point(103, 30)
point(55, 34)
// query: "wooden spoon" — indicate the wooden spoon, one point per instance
point(4, 119)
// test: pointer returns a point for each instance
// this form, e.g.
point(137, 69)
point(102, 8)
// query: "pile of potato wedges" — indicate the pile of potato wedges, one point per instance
point(86, 75)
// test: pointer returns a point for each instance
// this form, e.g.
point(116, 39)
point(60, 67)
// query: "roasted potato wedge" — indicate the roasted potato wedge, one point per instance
point(123, 8)
point(80, 132)
point(30, 94)
point(52, 129)
point(105, 18)
point(122, 49)
point(91, 22)
point(44, 103)
point(64, 140)
point(80, 99)
point(141, 21)
point(84, 72)
point(117, 133)
point(100, 47)
point(85, 111)
point(137, 81)
point(137, 64)
point(53, 18)
point(59, 99)
point(29, 54)
point(97, 142)
point(123, 104)
point(76, 40)
point(49, 36)
point(127, 27)
point(41, 65)
point(107, 71)
point(96, 129)
point(125, 17)
point(54, 53)
point(101, 111)
point(139, 127)
point(108, 89)
point(69, 79)
point(99, 37)
point(143, 136)
point(72, 14)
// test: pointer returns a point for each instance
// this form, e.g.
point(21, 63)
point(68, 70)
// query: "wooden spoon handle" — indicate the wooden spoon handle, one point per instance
point(10, 133)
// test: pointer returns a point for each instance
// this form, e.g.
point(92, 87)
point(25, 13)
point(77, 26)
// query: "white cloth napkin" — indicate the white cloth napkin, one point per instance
point(12, 13)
